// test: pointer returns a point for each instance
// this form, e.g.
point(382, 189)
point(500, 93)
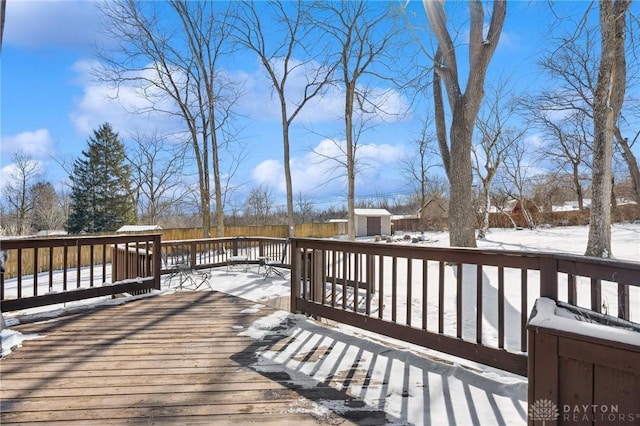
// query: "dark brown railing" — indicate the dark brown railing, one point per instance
point(48, 271)
point(217, 252)
point(470, 303)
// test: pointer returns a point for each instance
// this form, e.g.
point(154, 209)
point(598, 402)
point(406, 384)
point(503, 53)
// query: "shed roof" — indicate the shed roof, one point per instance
point(372, 212)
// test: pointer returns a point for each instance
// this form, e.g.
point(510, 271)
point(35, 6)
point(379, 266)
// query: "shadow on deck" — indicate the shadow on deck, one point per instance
point(211, 358)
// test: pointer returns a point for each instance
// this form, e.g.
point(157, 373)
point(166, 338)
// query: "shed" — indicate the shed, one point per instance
point(372, 222)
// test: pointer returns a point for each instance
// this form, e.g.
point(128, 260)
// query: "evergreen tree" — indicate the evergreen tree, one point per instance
point(101, 197)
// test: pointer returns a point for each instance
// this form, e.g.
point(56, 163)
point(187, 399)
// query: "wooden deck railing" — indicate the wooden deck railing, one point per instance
point(46, 271)
point(470, 303)
point(216, 252)
point(58, 270)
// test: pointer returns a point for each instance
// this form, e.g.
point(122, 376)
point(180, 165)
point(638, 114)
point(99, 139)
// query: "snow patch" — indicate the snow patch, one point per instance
point(548, 315)
point(13, 339)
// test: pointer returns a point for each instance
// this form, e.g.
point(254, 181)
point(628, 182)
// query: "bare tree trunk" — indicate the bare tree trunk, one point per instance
point(351, 173)
point(578, 186)
point(632, 163)
point(527, 214)
point(464, 107)
point(486, 200)
point(608, 99)
point(462, 217)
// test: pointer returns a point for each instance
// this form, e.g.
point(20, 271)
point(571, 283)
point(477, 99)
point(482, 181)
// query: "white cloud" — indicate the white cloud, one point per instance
point(43, 24)
point(317, 174)
point(535, 140)
point(101, 102)
point(8, 171)
point(261, 102)
point(37, 143)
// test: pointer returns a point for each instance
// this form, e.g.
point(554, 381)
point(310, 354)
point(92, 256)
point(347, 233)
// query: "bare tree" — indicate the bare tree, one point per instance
point(295, 34)
point(591, 78)
point(48, 213)
point(517, 178)
point(500, 199)
point(552, 189)
point(418, 164)
point(607, 104)
point(305, 206)
point(24, 175)
point(573, 63)
point(569, 145)
point(177, 69)
point(495, 141)
point(364, 40)
point(156, 167)
point(464, 106)
point(260, 204)
point(632, 162)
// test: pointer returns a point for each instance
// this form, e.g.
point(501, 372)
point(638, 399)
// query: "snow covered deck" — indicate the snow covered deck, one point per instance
point(208, 357)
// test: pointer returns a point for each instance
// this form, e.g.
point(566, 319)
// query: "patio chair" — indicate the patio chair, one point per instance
point(187, 276)
point(239, 261)
point(271, 265)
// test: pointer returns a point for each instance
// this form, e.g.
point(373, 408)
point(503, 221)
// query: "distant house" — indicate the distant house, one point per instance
point(515, 207)
point(435, 208)
point(372, 222)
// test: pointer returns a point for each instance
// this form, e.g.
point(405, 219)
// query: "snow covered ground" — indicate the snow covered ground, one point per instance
point(412, 384)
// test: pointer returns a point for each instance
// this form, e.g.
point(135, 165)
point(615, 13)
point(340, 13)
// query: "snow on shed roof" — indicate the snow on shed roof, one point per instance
point(372, 212)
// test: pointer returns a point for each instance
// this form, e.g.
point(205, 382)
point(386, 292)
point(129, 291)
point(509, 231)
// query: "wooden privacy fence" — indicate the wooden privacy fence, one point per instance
point(75, 268)
point(302, 230)
point(470, 303)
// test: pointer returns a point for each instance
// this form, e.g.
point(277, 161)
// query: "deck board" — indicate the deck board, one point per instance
point(173, 359)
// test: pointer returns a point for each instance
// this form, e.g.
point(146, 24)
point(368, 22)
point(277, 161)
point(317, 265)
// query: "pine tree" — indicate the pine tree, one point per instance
point(101, 197)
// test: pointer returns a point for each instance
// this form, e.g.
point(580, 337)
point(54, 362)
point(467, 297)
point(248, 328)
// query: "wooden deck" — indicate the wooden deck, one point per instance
point(174, 359)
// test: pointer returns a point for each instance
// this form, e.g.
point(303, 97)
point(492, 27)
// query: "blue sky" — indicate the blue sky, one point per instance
point(50, 105)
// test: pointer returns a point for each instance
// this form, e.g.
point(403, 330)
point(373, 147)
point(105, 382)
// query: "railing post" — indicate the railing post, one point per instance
point(317, 276)
point(157, 260)
point(192, 254)
point(295, 274)
point(549, 277)
point(371, 274)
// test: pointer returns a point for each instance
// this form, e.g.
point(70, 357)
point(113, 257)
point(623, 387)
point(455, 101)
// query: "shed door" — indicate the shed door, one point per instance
point(374, 225)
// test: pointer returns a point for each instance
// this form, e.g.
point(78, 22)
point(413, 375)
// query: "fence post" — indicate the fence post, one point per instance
point(549, 277)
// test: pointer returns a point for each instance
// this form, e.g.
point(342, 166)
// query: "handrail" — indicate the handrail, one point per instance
point(468, 302)
point(89, 266)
